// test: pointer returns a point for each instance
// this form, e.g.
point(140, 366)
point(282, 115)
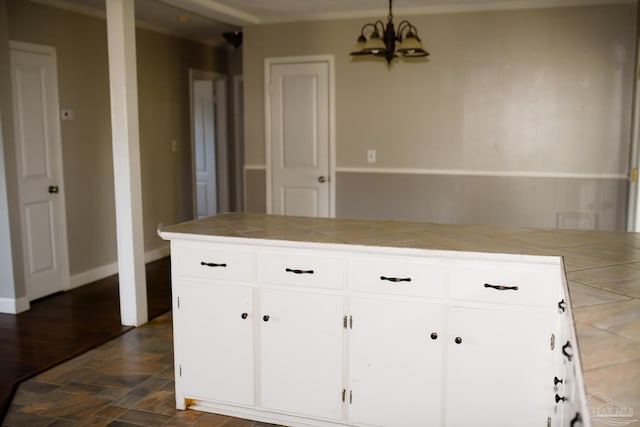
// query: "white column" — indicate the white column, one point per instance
point(126, 160)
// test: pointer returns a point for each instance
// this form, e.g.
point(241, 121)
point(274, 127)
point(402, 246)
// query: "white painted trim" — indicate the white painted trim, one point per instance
point(330, 60)
point(237, 82)
point(107, 270)
point(633, 207)
point(463, 172)
point(14, 306)
point(255, 167)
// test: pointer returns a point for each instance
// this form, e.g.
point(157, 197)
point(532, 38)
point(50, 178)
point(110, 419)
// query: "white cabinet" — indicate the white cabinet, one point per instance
point(395, 362)
point(214, 342)
point(500, 364)
point(322, 335)
point(301, 353)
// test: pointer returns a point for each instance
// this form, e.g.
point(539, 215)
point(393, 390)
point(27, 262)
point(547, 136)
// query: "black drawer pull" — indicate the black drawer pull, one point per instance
point(577, 419)
point(212, 264)
point(564, 351)
point(294, 271)
point(396, 279)
point(562, 306)
point(501, 288)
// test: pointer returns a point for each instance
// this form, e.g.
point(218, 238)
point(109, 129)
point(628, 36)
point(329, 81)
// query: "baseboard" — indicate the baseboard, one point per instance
point(98, 273)
point(14, 306)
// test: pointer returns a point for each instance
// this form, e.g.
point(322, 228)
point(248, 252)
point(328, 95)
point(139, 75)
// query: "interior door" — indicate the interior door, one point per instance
point(299, 120)
point(39, 161)
point(204, 134)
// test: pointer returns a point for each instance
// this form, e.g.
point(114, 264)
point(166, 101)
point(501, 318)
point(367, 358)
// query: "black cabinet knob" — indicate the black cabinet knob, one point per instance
point(265, 317)
point(244, 315)
point(458, 340)
point(434, 336)
point(557, 380)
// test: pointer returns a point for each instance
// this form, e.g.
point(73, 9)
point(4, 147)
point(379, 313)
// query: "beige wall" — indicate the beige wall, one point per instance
point(524, 92)
point(163, 64)
point(541, 90)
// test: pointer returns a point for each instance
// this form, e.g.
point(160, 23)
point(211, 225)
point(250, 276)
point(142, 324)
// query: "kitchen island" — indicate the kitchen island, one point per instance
point(346, 282)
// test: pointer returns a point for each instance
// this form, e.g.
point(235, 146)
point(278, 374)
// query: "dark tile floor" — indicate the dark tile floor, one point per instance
point(125, 382)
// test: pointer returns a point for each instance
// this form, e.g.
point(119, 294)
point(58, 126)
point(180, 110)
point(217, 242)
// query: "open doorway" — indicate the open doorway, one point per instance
point(209, 142)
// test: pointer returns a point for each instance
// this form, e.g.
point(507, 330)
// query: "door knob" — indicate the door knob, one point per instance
point(322, 179)
point(53, 189)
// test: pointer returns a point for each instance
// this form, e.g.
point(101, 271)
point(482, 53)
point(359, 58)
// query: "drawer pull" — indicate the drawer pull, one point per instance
point(396, 279)
point(501, 288)
point(577, 419)
point(569, 356)
point(212, 264)
point(562, 306)
point(294, 271)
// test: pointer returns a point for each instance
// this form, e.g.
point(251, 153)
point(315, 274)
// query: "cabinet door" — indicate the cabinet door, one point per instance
point(301, 353)
point(395, 363)
point(500, 368)
point(216, 337)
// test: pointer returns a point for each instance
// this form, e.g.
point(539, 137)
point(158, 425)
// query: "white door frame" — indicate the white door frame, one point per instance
point(222, 171)
point(268, 62)
point(62, 248)
point(633, 209)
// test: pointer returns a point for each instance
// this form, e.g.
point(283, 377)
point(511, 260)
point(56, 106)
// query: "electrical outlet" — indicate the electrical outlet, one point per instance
point(371, 156)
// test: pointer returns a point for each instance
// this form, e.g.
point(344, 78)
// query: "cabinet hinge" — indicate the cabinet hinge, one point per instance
point(344, 394)
point(553, 341)
point(180, 369)
point(344, 324)
point(350, 322)
point(548, 421)
point(178, 302)
point(350, 397)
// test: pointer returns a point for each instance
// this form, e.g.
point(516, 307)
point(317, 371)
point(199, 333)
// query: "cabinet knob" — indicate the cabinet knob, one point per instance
point(322, 179)
point(560, 399)
point(434, 336)
point(244, 315)
point(557, 380)
point(265, 317)
point(458, 340)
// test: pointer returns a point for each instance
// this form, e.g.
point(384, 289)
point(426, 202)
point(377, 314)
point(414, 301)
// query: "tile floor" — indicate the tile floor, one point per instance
point(124, 383)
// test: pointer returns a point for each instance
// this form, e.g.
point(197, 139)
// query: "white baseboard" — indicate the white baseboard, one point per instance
point(14, 306)
point(110, 269)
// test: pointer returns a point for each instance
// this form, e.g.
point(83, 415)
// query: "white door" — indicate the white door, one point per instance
point(204, 134)
point(500, 364)
point(299, 135)
point(395, 363)
point(301, 350)
point(216, 339)
point(39, 161)
point(210, 138)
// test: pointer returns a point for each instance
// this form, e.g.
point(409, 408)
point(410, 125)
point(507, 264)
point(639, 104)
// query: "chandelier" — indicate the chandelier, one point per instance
point(385, 42)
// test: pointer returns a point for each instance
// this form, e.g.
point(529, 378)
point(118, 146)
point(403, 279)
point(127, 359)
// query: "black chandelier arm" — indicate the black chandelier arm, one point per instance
point(374, 26)
point(404, 27)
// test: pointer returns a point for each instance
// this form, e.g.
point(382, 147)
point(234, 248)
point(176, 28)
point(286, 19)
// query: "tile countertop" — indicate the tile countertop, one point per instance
point(603, 270)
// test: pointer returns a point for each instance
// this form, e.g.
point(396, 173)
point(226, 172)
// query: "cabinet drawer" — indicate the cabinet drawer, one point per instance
point(302, 268)
point(506, 283)
point(400, 276)
point(214, 263)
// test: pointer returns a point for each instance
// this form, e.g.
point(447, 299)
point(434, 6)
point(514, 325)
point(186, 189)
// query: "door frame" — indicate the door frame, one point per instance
point(268, 62)
point(62, 247)
point(222, 155)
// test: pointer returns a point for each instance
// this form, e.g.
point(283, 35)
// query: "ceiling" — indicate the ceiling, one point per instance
point(206, 20)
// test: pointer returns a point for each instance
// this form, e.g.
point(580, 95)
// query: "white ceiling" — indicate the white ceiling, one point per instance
point(206, 20)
